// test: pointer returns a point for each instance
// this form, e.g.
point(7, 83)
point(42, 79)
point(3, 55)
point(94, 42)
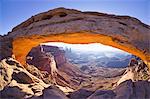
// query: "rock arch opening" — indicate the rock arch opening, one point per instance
point(90, 66)
point(78, 53)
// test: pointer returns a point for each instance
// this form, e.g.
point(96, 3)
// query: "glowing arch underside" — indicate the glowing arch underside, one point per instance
point(22, 45)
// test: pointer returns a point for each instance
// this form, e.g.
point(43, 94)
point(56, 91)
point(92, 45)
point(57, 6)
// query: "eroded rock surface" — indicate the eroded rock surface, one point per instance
point(126, 90)
point(80, 94)
point(51, 92)
point(17, 83)
point(136, 72)
point(5, 47)
point(102, 94)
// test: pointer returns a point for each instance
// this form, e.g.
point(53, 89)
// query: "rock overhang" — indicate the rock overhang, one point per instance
point(73, 26)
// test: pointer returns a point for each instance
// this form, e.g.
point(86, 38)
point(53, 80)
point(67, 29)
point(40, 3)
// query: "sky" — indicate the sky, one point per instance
point(13, 12)
point(92, 47)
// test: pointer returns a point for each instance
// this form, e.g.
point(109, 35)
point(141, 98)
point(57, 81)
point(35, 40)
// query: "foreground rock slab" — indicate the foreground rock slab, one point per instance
point(17, 83)
point(126, 90)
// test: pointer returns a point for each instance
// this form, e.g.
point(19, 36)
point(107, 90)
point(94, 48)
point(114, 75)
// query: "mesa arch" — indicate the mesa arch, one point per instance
point(27, 43)
point(73, 26)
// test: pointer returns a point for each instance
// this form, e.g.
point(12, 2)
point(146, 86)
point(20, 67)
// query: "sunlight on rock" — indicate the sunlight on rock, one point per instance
point(94, 47)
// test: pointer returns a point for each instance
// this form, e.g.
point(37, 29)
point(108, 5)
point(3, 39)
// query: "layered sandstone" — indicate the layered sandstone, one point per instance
point(68, 74)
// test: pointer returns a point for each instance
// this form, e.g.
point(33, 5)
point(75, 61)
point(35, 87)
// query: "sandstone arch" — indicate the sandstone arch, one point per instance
point(72, 26)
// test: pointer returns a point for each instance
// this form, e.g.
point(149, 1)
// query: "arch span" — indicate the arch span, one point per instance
point(22, 45)
point(73, 26)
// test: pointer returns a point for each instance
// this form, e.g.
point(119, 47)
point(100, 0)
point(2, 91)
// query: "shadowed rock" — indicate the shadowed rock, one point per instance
point(80, 94)
point(51, 92)
point(102, 94)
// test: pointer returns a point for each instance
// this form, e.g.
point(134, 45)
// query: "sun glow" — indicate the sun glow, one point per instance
point(93, 47)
